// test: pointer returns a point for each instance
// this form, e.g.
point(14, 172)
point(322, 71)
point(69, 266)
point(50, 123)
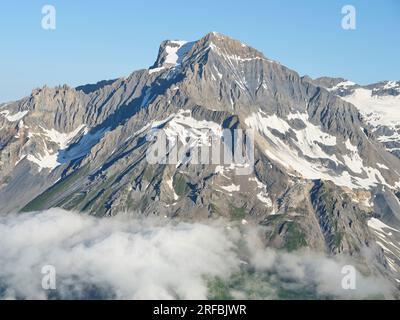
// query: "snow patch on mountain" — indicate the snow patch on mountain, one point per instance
point(379, 104)
point(305, 155)
point(62, 139)
point(172, 51)
point(49, 158)
point(184, 127)
point(175, 51)
point(181, 129)
point(379, 226)
point(262, 195)
point(70, 147)
point(14, 117)
point(378, 110)
point(387, 241)
point(171, 186)
point(392, 85)
point(342, 85)
point(308, 139)
point(350, 146)
point(382, 166)
point(231, 188)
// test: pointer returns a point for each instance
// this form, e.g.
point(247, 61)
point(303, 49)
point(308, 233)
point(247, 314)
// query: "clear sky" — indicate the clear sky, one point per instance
point(97, 40)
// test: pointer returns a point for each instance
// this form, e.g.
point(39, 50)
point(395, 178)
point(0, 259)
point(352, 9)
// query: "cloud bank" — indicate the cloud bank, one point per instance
point(130, 258)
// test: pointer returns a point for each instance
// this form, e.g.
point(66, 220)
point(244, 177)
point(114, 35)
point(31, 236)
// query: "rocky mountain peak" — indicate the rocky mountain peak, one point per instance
point(174, 52)
point(227, 46)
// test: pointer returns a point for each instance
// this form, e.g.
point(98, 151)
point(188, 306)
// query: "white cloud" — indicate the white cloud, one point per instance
point(131, 258)
point(307, 268)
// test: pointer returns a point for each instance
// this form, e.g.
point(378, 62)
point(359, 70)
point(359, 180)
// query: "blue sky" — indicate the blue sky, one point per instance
point(96, 40)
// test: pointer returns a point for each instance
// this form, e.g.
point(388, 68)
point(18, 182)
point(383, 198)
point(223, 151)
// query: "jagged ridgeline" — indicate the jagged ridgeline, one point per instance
point(326, 172)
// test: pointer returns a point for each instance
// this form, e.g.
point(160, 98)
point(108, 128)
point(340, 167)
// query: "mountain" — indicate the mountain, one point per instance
point(377, 102)
point(324, 177)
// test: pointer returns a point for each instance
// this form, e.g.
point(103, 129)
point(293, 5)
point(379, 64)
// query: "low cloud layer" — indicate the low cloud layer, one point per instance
point(129, 258)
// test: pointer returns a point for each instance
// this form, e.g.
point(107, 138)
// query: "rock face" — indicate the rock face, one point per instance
point(321, 178)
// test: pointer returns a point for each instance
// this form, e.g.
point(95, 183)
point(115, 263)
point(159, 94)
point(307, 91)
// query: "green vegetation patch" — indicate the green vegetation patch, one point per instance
point(218, 289)
point(6, 180)
point(148, 173)
point(237, 213)
point(180, 185)
point(41, 202)
point(295, 237)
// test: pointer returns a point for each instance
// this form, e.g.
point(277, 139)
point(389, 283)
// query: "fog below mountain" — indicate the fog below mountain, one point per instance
point(128, 257)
